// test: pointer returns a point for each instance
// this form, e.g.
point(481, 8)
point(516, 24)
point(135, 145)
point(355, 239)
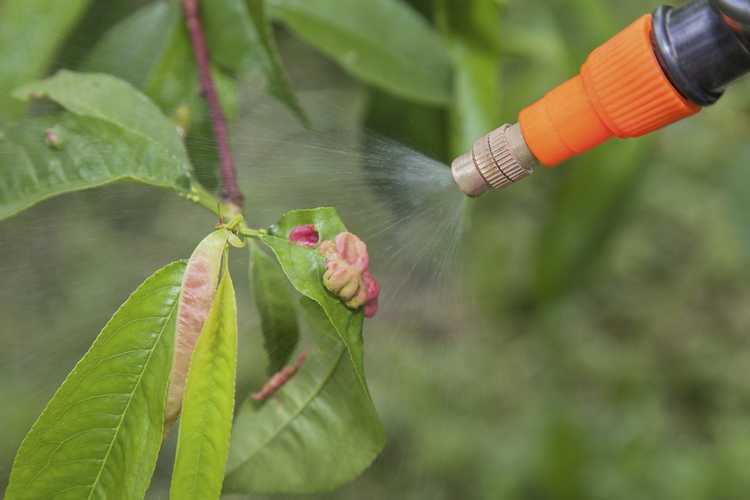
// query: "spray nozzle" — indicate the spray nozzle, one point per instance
point(497, 160)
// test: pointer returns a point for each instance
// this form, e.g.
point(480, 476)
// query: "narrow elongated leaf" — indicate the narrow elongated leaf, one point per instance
point(31, 31)
point(274, 302)
point(206, 422)
point(383, 42)
point(198, 291)
point(321, 428)
point(241, 39)
point(318, 432)
point(100, 434)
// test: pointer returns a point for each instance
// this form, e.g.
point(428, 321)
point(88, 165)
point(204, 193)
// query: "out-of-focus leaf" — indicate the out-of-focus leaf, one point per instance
point(112, 132)
point(586, 212)
point(321, 428)
point(208, 404)
point(383, 42)
point(472, 30)
point(30, 33)
point(419, 126)
point(150, 49)
point(100, 435)
point(241, 39)
point(274, 302)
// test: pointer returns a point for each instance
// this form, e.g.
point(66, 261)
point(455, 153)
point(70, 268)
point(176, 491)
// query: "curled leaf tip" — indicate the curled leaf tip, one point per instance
point(347, 273)
point(306, 235)
point(279, 379)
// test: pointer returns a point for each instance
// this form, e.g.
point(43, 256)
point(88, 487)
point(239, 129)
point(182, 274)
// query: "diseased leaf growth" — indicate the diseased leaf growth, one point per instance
point(131, 108)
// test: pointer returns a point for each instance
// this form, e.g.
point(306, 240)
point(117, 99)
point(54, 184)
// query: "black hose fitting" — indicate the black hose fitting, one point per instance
point(701, 48)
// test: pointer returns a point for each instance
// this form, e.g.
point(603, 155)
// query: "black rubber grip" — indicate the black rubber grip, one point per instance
point(701, 48)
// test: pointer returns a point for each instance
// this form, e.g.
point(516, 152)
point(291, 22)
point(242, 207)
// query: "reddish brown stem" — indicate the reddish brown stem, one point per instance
point(227, 168)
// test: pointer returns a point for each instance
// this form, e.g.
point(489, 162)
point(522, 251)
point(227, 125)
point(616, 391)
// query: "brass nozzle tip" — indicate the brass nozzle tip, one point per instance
point(497, 160)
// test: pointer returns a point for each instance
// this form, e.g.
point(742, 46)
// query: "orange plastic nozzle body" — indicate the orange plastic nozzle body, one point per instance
point(621, 91)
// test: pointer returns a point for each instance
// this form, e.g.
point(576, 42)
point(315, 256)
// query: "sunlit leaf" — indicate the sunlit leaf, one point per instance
point(321, 428)
point(383, 42)
point(100, 434)
point(273, 299)
point(208, 404)
point(30, 34)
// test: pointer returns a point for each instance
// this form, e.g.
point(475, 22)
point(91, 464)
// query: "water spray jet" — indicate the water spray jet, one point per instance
point(664, 67)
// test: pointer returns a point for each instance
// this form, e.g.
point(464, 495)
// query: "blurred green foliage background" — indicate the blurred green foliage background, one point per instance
point(593, 343)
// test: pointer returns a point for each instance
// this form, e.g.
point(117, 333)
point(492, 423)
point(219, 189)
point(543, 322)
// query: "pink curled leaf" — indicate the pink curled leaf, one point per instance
point(347, 275)
point(198, 289)
point(306, 236)
point(279, 379)
point(373, 292)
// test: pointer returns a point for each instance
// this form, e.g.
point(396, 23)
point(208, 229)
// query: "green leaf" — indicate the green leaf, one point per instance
point(31, 31)
point(150, 49)
point(208, 404)
point(91, 153)
point(477, 96)
point(100, 435)
point(111, 100)
point(304, 269)
point(278, 317)
point(319, 431)
point(383, 42)
point(113, 132)
point(241, 38)
point(321, 428)
point(585, 214)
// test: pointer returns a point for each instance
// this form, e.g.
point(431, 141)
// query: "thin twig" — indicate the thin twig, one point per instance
point(227, 168)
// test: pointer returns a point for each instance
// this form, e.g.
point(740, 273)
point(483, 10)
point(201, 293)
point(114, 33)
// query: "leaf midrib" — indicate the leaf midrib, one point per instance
point(299, 412)
point(146, 364)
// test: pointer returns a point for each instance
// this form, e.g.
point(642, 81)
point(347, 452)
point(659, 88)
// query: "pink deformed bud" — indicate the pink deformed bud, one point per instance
point(306, 236)
point(373, 292)
point(347, 273)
